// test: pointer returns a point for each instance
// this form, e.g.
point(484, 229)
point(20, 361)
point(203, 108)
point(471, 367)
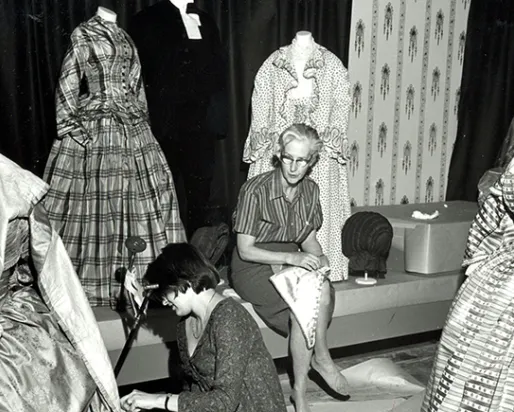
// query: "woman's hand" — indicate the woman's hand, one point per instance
point(137, 401)
point(305, 260)
point(324, 261)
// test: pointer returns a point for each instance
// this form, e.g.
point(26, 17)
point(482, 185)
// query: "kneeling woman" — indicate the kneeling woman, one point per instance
point(276, 220)
point(220, 344)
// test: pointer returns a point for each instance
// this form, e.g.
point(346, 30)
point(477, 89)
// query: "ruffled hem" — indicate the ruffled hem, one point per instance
point(257, 144)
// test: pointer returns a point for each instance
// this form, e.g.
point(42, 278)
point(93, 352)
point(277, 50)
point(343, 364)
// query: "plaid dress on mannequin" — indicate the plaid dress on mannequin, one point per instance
point(108, 175)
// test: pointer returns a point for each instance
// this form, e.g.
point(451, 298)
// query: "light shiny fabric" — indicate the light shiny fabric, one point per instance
point(301, 289)
point(52, 356)
point(38, 364)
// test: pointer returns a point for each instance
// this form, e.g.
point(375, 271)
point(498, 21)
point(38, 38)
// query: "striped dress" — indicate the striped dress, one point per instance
point(108, 176)
point(473, 369)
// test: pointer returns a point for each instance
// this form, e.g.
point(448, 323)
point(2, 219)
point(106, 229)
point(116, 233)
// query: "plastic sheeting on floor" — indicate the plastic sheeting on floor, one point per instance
point(376, 385)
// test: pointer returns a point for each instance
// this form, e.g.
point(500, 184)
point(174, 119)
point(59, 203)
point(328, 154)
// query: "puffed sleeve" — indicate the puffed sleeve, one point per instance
point(230, 333)
point(335, 135)
point(68, 88)
point(488, 220)
point(507, 186)
point(261, 134)
point(246, 216)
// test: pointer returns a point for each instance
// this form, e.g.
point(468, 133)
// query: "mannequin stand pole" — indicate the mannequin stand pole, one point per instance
point(366, 280)
point(133, 332)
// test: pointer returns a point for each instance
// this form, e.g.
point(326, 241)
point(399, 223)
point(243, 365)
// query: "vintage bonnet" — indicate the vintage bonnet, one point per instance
point(366, 240)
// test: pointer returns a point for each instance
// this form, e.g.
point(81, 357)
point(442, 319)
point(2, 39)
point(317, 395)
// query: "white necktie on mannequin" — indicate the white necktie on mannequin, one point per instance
point(192, 24)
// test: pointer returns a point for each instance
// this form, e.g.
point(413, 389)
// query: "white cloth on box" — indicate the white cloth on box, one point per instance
point(301, 290)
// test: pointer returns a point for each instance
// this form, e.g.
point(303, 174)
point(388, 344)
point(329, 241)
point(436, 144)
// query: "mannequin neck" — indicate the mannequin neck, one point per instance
point(303, 45)
point(181, 5)
point(106, 14)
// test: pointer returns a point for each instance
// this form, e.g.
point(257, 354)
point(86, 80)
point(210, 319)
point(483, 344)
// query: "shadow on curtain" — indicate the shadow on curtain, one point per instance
point(34, 36)
point(486, 105)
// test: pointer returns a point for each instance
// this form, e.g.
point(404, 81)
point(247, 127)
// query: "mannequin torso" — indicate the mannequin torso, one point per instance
point(191, 21)
point(301, 51)
point(106, 14)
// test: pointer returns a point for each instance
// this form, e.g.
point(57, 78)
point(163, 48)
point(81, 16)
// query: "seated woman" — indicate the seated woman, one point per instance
point(221, 348)
point(52, 356)
point(277, 215)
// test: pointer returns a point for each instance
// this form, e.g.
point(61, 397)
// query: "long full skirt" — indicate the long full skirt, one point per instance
point(116, 185)
point(473, 369)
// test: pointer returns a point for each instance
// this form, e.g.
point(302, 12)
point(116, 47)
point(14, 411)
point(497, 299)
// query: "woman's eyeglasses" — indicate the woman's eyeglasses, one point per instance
point(289, 160)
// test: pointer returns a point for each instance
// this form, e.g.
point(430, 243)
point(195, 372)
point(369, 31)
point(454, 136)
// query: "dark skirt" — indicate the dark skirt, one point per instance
point(251, 281)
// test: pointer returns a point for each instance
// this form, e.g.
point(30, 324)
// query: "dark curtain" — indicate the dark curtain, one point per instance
point(34, 36)
point(251, 31)
point(486, 104)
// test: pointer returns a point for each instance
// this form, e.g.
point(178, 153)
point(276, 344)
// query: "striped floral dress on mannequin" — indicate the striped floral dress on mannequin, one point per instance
point(473, 368)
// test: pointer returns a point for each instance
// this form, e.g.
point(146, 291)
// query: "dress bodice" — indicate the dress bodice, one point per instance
point(300, 109)
point(275, 106)
point(101, 73)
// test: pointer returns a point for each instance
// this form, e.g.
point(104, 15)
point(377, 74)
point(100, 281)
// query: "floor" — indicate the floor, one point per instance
point(414, 355)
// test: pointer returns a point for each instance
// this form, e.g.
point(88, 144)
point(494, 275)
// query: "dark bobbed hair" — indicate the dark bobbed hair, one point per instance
point(181, 266)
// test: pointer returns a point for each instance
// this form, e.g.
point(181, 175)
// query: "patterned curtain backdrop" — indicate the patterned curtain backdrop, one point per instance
point(405, 66)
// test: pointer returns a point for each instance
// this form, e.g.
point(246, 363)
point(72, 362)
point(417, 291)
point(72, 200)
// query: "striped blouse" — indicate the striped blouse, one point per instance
point(264, 212)
point(493, 225)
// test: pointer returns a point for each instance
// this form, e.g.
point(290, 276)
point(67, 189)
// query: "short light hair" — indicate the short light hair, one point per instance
point(302, 133)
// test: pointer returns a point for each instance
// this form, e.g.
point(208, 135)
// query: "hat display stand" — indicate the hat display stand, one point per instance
point(367, 281)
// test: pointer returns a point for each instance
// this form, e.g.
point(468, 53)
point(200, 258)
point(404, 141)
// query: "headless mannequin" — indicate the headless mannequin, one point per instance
point(191, 21)
point(301, 51)
point(106, 14)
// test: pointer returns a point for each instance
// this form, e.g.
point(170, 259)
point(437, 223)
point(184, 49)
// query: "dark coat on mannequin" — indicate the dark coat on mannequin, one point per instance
point(185, 88)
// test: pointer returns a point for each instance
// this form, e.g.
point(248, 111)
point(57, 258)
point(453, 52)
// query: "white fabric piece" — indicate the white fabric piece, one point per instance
point(301, 290)
point(134, 288)
point(380, 378)
point(192, 25)
point(425, 216)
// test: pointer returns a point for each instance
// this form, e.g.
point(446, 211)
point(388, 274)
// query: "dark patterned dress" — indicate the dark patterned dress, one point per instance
point(473, 369)
point(230, 369)
point(274, 109)
point(109, 178)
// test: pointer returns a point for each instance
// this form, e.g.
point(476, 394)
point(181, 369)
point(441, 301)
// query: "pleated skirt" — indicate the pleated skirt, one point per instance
point(116, 185)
